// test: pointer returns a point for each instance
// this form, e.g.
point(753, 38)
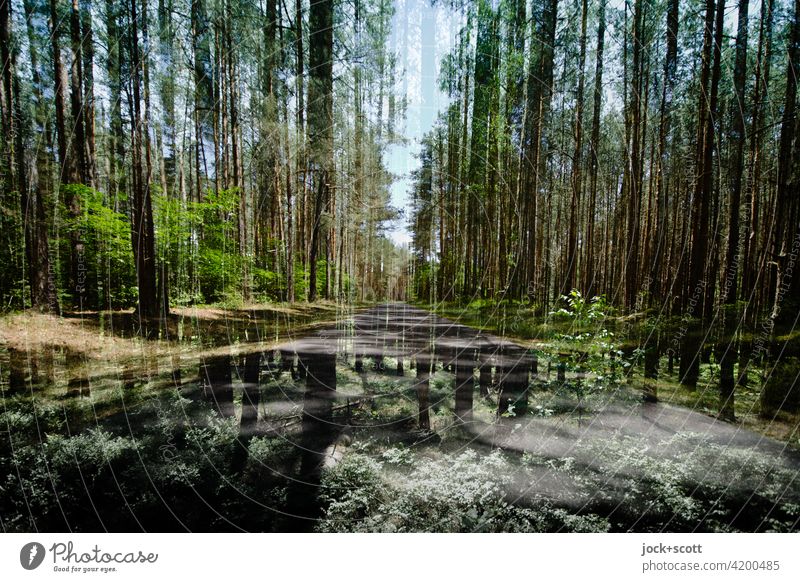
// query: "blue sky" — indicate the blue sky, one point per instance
point(421, 36)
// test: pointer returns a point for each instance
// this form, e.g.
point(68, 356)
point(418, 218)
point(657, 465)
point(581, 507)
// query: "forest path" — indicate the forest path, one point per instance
point(399, 380)
point(580, 460)
point(483, 363)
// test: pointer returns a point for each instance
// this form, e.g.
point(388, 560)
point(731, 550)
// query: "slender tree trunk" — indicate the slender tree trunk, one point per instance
point(697, 285)
point(577, 163)
point(751, 207)
point(786, 199)
point(659, 236)
point(8, 163)
point(633, 173)
point(590, 281)
point(733, 253)
point(88, 94)
point(69, 169)
point(76, 97)
point(320, 126)
point(142, 231)
point(41, 276)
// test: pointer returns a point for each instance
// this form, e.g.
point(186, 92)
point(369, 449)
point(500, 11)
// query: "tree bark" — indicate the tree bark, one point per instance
point(696, 290)
point(320, 126)
point(577, 163)
point(729, 295)
point(590, 279)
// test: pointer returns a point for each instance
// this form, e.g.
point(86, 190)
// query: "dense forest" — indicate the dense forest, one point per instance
point(173, 152)
point(643, 151)
point(644, 154)
point(209, 318)
point(200, 152)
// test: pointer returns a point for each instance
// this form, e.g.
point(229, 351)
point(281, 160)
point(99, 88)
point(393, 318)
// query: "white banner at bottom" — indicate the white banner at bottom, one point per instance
point(355, 557)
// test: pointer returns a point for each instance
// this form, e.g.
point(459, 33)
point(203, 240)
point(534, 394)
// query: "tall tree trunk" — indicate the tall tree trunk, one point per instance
point(8, 164)
point(729, 295)
point(713, 253)
point(41, 276)
point(142, 228)
point(79, 167)
point(633, 169)
point(115, 146)
point(88, 94)
point(786, 200)
point(590, 280)
point(59, 77)
point(320, 126)
point(76, 97)
point(577, 163)
point(540, 88)
point(697, 285)
point(754, 164)
point(69, 173)
point(659, 236)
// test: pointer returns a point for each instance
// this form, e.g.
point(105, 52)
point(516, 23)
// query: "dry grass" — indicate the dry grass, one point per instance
point(104, 337)
point(32, 331)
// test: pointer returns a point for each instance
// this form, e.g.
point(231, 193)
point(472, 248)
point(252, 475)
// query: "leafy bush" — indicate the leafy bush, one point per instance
point(110, 276)
point(269, 284)
point(584, 310)
point(268, 456)
point(688, 483)
point(207, 232)
point(452, 494)
point(168, 477)
point(352, 491)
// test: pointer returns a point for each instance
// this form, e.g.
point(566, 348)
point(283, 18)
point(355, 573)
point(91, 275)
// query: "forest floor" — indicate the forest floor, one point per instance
point(100, 348)
point(118, 419)
point(520, 324)
point(95, 338)
point(108, 334)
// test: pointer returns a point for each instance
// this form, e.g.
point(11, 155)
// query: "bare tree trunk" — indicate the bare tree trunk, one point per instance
point(577, 161)
point(76, 98)
point(729, 294)
point(590, 281)
point(786, 200)
point(670, 68)
point(142, 231)
point(40, 275)
point(320, 126)
point(633, 173)
point(88, 95)
point(696, 290)
point(751, 206)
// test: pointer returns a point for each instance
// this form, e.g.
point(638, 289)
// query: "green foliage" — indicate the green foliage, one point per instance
point(110, 274)
point(398, 456)
point(483, 304)
point(268, 456)
point(12, 246)
point(269, 284)
point(685, 482)
point(176, 225)
point(423, 280)
point(352, 492)
point(597, 360)
point(53, 480)
point(199, 242)
point(462, 493)
point(98, 480)
point(584, 310)
point(219, 268)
